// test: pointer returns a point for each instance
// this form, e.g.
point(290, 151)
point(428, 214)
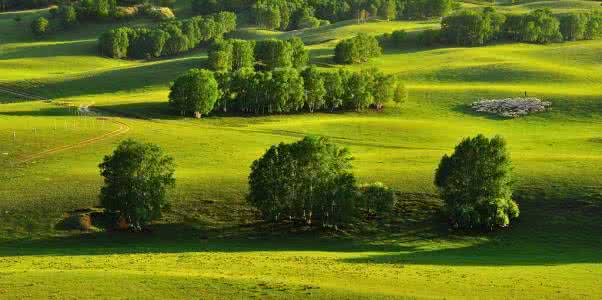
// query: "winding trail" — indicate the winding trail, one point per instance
point(83, 110)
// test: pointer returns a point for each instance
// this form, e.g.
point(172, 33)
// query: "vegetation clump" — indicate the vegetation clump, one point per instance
point(357, 49)
point(136, 179)
point(511, 107)
point(475, 183)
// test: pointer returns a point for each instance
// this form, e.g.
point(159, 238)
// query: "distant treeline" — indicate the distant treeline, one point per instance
point(282, 90)
point(296, 14)
point(29, 4)
point(169, 38)
point(24, 4)
point(477, 28)
point(69, 14)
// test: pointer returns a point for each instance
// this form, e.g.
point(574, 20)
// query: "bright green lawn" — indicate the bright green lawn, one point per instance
point(553, 251)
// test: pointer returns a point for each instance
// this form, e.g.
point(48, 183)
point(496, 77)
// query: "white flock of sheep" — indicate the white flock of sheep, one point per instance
point(511, 107)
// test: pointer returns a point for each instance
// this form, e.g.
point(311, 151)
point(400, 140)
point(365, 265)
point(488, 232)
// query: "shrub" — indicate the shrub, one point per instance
point(39, 26)
point(309, 180)
point(377, 198)
point(476, 184)
point(136, 179)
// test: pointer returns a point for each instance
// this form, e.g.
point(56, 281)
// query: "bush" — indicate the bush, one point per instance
point(309, 180)
point(377, 198)
point(476, 184)
point(357, 49)
point(161, 13)
point(39, 26)
point(136, 179)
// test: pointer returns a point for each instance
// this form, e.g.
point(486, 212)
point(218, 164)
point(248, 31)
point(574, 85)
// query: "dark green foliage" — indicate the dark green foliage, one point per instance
point(67, 16)
point(170, 38)
point(539, 26)
point(242, 54)
point(114, 43)
point(334, 90)
point(39, 26)
point(315, 91)
point(573, 26)
point(206, 7)
point(309, 180)
point(377, 198)
point(428, 38)
point(299, 57)
point(472, 28)
point(476, 184)
point(424, 9)
point(194, 93)
point(357, 49)
point(273, 53)
point(136, 179)
point(220, 56)
point(267, 17)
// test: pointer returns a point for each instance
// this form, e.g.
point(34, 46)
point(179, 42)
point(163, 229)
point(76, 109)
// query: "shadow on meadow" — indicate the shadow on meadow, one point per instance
point(550, 232)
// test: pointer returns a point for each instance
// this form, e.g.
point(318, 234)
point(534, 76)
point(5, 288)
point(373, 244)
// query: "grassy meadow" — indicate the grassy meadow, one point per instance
point(210, 244)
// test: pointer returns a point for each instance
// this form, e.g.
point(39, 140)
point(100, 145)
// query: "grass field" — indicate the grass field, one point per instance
point(211, 245)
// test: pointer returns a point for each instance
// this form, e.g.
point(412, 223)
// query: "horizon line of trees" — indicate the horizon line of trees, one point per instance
point(475, 28)
point(283, 90)
point(68, 14)
point(166, 39)
point(285, 15)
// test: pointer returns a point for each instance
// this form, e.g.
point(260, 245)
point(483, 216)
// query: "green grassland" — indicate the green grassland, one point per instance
point(211, 245)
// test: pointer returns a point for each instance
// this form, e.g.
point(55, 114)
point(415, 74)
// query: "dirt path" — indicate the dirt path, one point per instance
point(83, 109)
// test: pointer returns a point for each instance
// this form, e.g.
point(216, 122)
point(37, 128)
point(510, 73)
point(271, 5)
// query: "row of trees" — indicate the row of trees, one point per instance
point(169, 38)
point(69, 14)
point(311, 181)
point(283, 90)
point(232, 55)
point(473, 28)
point(357, 49)
point(296, 14)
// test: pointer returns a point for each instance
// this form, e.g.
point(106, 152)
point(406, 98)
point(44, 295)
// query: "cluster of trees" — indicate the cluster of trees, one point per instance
point(169, 38)
point(296, 14)
point(473, 28)
point(232, 55)
point(283, 90)
point(68, 14)
point(476, 184)
point(24, 4)
point(311, 181)
point(357, 49)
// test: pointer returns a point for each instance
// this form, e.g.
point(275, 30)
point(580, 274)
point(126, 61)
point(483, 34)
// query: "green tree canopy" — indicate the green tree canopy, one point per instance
point(476, 184)
point(194, 93)
point(136, 179)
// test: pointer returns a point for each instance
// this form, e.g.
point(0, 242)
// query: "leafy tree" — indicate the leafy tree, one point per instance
point(115, 42)
point(205, 7)
point(377, 198)
point(299, 57)
point(146, 43)
point(400, 94)
point(285, 91)
point(476, 184)
point(594, 26)
point(334, 90)
point(358, 94)
point(314, 89)
point(383, 89)
point(39, 26)
point(242, 54)
point(136, 179)
point(274, 53)
point(176, 41)
point(388, 9)
point(220, 56)
point(267, 17)
point(68, 16)
point(309, 180)
point(194, 93)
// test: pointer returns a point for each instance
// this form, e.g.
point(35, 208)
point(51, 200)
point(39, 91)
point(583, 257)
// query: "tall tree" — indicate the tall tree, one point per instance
point(194, 93)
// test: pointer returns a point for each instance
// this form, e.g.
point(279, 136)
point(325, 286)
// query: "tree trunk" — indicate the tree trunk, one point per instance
point(197, 115)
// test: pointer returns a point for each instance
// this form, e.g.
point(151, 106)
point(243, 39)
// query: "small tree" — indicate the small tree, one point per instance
point(68, 16)
point(314, 89)
point(476, 184)
point(136, 179)
point(400, 94)
point(242, 54)
point(39, 26)
point(195, 93)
